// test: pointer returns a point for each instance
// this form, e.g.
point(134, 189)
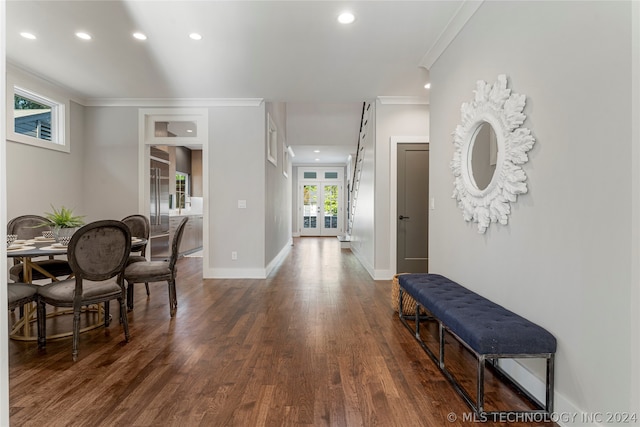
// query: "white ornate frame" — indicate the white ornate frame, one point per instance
point(496, 105)
point(272, 141)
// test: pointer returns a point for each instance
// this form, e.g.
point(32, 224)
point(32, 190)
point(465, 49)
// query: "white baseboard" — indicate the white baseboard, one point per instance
point(278, 258)
point(565, 412)
point(363, 261)
point(248, 273)
point(383, 275)
point(235, 273)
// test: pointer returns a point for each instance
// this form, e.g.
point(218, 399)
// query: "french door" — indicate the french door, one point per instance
point(321, 208)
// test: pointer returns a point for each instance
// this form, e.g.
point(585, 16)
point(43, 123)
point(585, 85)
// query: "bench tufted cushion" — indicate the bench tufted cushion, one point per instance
point(486, 327)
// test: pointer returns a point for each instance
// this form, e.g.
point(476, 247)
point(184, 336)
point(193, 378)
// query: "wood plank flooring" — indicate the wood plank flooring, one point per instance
point(315, 344)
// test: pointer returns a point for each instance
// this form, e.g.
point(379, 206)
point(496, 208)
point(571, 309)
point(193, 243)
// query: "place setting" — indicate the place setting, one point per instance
point(47, 236)
point(15, 245)
point(61, 245)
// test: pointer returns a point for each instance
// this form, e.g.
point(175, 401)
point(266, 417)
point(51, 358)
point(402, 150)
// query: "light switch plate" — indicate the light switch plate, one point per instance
point(242, 204)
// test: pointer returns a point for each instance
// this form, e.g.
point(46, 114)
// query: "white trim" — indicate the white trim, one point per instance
point(565, 413)
point(363, 261)
point(4, 324)
point(32, 87)
point(201, 140)
point(279, 258)
point(272, 141)
point(173, 102)
point(393, 192)
point(235, 273)
point(403, 100)
point(321, 181)
point(383, 274)
point(455, 25)
point(151, 115)
point(635, 205)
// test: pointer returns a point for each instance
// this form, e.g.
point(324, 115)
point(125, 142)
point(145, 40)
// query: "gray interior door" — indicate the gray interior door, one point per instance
point(413, 208)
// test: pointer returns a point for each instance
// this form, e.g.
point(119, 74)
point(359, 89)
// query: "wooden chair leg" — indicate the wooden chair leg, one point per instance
point(42, 324)
point(123, 318)
point(146, 285)
point(173, 305)
point(76, 333)
point(107, 314)
point(130, 295)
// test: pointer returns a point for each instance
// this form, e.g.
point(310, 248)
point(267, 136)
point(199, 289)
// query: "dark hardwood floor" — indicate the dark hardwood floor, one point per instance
point(315, 344)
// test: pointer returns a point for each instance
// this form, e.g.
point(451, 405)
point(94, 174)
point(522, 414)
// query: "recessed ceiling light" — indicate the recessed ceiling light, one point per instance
point(346, 18)
point(195, 36)
point(189, 130)
point(83, 35)
point(28, 35)
point(316, 151)
point(139, 36)
point(317, 160)
point(427, 86)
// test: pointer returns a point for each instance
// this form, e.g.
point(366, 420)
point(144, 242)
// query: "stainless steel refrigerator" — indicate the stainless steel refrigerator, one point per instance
point(159, 204)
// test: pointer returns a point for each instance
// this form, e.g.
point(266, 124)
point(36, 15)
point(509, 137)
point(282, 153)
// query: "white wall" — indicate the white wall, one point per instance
point(277, 191)
point(363, 232)
point(4, 326)
point(391, 120)
point(110, 162)
point(564, 261)
point(635, 197)
point(237, 172)
point(38, 177)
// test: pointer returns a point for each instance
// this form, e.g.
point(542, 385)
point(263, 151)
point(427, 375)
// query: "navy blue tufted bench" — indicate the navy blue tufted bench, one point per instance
point(488, 330)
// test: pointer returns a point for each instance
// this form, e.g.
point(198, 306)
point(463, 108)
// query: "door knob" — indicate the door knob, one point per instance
point(403, 217)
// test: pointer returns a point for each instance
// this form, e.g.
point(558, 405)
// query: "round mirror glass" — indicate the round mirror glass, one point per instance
point(484, 155)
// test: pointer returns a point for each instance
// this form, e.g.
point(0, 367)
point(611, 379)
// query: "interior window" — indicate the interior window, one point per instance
point(182, 189)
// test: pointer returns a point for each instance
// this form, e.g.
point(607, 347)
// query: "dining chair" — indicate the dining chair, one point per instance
point(28, 227)
point(139, 227)
point(157, 271)
point(19, 294)
point(97, 253)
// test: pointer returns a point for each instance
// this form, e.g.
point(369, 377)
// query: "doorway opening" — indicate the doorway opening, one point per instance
point(180, 138)
point(321, 200)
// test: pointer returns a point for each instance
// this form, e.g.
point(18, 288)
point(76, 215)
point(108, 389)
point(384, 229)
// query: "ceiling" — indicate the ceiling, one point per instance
point(282, 51)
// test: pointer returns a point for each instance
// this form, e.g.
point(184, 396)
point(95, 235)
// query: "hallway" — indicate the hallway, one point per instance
point(315, 344)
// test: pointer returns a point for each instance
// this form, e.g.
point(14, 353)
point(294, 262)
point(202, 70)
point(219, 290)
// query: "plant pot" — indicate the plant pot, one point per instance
point(63, 232)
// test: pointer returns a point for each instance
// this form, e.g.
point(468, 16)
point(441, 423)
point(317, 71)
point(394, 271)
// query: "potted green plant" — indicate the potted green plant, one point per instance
point(63, 221)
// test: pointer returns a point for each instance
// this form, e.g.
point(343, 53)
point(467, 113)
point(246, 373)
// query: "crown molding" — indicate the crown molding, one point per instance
point(403, 100)
point(173, 102)
point(455, 25)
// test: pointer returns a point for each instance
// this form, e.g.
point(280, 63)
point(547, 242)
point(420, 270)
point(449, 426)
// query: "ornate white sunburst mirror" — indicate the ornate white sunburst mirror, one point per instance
point(490, 148)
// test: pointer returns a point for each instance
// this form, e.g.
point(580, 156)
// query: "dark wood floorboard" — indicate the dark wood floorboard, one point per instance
point(315, 344)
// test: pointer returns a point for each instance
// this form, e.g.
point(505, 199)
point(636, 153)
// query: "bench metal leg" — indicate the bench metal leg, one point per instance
point(480, 385)
point(550, 385)
point(442, 343)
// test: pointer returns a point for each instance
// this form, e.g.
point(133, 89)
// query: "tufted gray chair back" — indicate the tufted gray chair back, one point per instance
point(99, 250)
point(139, 227)
point(27, 226)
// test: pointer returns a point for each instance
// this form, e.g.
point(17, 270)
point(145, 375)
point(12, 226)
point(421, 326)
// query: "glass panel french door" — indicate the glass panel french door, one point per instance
point(321, 210)
point(330, 198)
point(310, 224)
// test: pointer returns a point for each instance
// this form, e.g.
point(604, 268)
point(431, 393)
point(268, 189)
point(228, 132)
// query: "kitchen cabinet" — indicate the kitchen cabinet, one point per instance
point(192, 237)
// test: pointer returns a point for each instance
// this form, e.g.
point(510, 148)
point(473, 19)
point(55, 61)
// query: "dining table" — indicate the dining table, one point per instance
point(26, 251)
